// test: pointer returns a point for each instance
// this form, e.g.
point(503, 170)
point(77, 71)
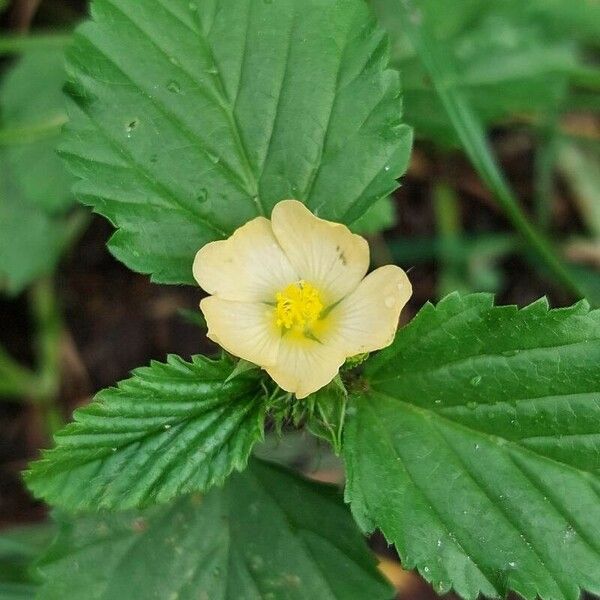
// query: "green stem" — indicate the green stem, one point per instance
point(49, 331)
point(470, 130)
point(32, 132)
point(15, 44)
point(585, 76)
point(545, 160)
point(15, 380)
point(449, 230)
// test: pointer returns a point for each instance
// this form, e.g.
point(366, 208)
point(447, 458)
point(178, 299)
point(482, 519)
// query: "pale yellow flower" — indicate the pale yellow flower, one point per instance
point(291, 296)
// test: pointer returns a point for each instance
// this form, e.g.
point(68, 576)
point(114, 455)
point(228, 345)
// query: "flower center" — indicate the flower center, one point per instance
point(298, 306)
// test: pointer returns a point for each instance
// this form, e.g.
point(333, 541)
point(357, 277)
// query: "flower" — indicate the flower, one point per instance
point(291, 296)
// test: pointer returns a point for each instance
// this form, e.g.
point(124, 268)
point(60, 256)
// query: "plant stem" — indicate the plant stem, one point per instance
point(15, 44)
point(48, 338)
point(449, 231)
point(15, 380)
point(471, 133)
point(32, 132)
point(545, 160)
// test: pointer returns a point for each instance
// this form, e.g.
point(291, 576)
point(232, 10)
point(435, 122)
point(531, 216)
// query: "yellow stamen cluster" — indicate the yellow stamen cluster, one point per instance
point(298, 306)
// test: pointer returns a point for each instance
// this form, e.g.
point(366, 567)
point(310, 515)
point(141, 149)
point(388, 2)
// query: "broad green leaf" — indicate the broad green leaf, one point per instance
point(379, 217)
point(34, 185)
point(507, 60)
point(268, 534)
point(32, 112)
point(31, 241)
point(579, 19)
point(19, 547)
point(171, 429)
point(476, 449)
point(442, 71)
point(190, 118)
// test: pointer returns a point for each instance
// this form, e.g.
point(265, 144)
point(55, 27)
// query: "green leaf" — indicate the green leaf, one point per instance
point(190, 118)
point(171, 429)
point(268, 534)
point(31, 241)
point(34, 185)
point(32, 113)
point(578, 19)
point(19, 547)
point(378, 218)
point(442, 69)
point(507, 61)
point(477, 449)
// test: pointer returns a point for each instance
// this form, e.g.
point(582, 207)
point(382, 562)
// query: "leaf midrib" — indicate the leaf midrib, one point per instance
point(519, 352)
point(430, 413)
point(104, 451)
point(434, 510)
point(161, 106)
point(229, 108)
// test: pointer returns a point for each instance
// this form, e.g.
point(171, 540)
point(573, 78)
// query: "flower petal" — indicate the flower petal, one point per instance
point(250, 266)
point(326, 254)
point(245, 329)
point(303, 367)
point(368, 318)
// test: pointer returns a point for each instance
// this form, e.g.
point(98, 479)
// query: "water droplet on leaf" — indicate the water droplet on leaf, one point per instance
point(174, 87)
point(202, 196)
point(476, 380)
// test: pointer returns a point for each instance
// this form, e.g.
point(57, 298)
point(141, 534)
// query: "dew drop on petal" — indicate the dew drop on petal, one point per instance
point(390, 301)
